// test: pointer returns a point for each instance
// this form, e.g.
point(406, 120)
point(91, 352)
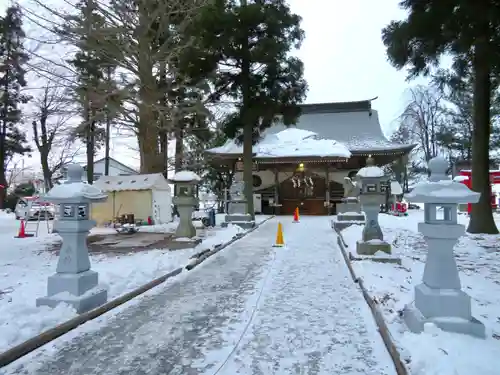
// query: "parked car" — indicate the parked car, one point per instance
point(32, 210)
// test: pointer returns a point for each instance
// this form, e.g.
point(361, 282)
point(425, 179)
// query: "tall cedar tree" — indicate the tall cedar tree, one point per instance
point(185, 117)
point(12, 60)
point(250, 41)
point(92, 91)
point(458, 90)
point(469, 31)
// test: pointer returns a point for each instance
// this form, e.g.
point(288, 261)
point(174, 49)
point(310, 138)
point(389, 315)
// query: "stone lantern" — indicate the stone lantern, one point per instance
point(237, 206)
point(439, 299)
point(74, 282)
point(185, 200)
point(373, 191)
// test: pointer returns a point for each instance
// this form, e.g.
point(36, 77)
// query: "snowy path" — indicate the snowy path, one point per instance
point(310, 318)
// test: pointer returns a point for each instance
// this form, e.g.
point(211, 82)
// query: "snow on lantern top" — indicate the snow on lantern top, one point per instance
point(440, 189)
point(185, 176)
point(371, 170)
point(74, 190)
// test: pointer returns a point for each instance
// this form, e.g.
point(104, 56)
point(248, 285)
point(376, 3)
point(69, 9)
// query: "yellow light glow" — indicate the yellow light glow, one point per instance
point(301, 165)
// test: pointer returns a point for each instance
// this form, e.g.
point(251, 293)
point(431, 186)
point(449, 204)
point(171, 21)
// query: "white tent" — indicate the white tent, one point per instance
point(142, 195)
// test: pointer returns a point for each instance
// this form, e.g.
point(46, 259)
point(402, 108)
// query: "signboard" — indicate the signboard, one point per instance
point(240, 164)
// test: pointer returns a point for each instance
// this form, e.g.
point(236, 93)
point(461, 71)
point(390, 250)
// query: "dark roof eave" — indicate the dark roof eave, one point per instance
point(402, 149)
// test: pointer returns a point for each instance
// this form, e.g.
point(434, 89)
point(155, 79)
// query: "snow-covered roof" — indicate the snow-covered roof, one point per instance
point(74, 190)
point(291, 142)
point(445, 191)
point(460, 178)
point(352, 124)
point(154, 181)
point(371, 171)
point(185, 176)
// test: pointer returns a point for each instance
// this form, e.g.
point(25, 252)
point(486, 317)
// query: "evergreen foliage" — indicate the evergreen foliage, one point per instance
point(247, 45)
point(469, 31)
point(12, 79)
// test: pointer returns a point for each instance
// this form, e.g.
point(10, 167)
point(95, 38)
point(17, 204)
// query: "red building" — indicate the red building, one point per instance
point(494, 179)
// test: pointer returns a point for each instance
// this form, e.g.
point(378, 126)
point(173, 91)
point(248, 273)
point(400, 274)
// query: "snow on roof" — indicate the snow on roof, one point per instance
point(460, 178)
point(133, 182)
point(358, 130)
point(185, 176)
point(371, 171)
point(74, 190)
point(288, 143)
point(445, 191)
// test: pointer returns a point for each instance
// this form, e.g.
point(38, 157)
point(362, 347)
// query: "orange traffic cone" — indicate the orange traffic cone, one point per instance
point(296, 215)
point(22, 231)
point(279, 237)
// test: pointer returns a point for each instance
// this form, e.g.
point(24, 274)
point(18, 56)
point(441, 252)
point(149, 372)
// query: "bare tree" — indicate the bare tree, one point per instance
point(15, 173)
point(53, 110)
point(423, 117)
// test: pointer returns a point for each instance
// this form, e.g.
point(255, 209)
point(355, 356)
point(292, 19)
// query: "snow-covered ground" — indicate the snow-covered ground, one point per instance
point(253, 309)
point(436, 352)
point(25, 265)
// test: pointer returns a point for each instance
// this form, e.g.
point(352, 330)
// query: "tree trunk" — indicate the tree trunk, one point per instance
point(3, 182)
point(109, 72)
point(106, 151)
point(147, 137)
point(179, 149)
point(148, 131)
point(247, 166)
point(248, 125)
point(481, 219)
point(47, 174)
point(90, 151)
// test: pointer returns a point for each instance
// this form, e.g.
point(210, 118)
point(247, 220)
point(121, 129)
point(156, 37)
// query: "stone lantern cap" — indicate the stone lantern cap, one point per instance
point(371, 170)
point(74, 190)
point(186, 177)
point(440, 189)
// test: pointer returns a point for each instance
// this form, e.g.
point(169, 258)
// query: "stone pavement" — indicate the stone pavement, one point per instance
point(290, 310)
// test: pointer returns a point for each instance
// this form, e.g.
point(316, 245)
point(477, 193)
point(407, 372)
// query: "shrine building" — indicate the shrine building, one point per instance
point(305, 165)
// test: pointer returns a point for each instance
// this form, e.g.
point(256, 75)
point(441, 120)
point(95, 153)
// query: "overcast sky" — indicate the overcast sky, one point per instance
point(344, 57)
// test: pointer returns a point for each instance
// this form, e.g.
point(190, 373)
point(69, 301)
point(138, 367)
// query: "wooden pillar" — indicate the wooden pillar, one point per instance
point(327, 192)
point(277, 203)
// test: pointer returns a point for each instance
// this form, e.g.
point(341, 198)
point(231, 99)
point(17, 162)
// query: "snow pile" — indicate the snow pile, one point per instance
point(26, 263)
point(446, 191)
point(185, 176)
point(371, 171)
point(290, 142)
point(435, 352)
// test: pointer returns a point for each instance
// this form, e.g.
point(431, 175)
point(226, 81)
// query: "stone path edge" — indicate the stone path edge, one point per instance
point(376, 313)
point(28, 346)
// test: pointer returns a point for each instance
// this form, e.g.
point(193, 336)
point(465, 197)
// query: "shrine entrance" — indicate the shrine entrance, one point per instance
point(306, 191)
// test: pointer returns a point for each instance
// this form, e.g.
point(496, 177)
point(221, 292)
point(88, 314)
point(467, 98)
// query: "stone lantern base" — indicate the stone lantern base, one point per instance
point(78, 290)
point(450, 310)
point(351, 216)
point(372, 247)
point(237, 215)
point(350, 205)
point(242, 220)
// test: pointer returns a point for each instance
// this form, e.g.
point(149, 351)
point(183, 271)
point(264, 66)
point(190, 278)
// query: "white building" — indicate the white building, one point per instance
point(115, 169)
